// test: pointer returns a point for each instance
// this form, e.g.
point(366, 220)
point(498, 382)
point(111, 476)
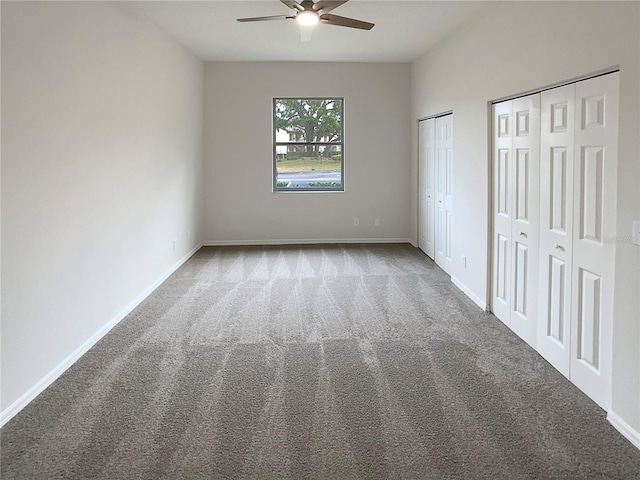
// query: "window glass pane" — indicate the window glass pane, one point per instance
point(317, 168)
point(308, 120)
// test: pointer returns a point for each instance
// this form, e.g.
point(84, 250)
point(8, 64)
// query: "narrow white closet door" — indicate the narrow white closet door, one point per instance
point(595, 169)
point(444, 192)
point(502, 205)
point(525, 218)
point(426, 222)
point(556, 226)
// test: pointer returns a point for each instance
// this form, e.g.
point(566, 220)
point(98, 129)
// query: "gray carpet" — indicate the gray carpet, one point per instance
point(326, 362)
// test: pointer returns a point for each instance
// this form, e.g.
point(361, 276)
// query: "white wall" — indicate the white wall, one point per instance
point(239, 204)
point(101, 170)
point(510, 48)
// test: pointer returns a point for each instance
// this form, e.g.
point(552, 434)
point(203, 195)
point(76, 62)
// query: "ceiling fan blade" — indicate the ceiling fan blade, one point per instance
point(293, 5)
point(325, 6)
point(262, 19)
point(345, 22)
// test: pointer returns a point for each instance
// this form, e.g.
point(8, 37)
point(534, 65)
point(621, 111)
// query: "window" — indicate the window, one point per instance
point(308, 144)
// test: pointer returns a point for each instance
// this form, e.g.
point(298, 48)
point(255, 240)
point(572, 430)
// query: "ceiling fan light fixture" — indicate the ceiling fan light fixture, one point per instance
point(308, 18)
point(308, 13)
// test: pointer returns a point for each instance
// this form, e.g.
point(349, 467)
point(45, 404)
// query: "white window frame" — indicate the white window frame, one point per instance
point(276, 144)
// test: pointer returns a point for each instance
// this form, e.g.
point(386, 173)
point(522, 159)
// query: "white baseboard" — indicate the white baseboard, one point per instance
point(624, 428)
point(9, 412)
point(477, 300)
point(306, 241)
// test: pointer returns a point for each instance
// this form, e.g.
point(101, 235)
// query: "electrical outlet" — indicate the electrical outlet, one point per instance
point(175, 242)
point(635, 233)
point(376, 222)
point(188, 234)
point(464, 261)
point(356, 222)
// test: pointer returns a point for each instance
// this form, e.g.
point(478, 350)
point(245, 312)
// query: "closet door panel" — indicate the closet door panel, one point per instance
point(525, 221)
point(426, 179)
point(521, 282)
point(431, 179)
point(556, 227)
point(556, 320)
point(502, 205)
point(422, 186)
point(595, 159)
point(448, 192)
point(439, 188)
point(444, 192)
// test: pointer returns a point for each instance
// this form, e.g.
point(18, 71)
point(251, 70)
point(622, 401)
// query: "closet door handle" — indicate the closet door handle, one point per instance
point(559, 247)
point(522, 234)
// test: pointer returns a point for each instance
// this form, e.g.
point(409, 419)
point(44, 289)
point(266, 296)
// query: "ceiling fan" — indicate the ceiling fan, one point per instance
point(308, 13)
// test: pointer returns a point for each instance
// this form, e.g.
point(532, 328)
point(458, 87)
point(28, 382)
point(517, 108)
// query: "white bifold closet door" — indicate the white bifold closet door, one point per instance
point(516, 214)
point(426, 175)
point(554, 215)
point(435, 186)
point(578, 220)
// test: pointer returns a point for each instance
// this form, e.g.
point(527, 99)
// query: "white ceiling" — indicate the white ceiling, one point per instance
point(403, 29)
